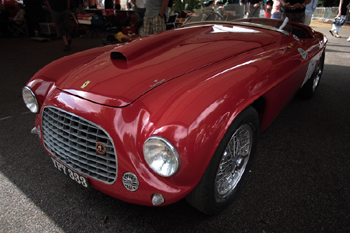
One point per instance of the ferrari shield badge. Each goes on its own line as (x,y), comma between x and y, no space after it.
(85,84)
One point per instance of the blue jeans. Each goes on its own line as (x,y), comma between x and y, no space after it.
(276,16)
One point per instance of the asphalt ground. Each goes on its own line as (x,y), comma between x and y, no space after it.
(298,182)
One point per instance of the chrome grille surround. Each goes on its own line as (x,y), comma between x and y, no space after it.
(72,139)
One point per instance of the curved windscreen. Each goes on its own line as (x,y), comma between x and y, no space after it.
(238,14)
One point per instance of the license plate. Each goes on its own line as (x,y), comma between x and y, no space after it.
(71,173)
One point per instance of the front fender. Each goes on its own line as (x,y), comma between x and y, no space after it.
(44,80)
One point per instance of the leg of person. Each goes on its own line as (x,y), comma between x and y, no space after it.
(251,8)
(58,18)
(159,24)
(335,30)
(66,45)
(65,33)
(68,27)
(257,12)
(254,11)
(308,19)
(301,17)
(147,26)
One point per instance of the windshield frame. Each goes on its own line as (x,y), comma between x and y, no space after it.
(249,24)
(239,17)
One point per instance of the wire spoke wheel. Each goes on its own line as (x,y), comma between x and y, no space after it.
(316,80)
(234,160)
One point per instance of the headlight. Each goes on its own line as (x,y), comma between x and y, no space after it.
(161,156)
(30,100)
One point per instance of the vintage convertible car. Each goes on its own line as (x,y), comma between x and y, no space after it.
(177,114)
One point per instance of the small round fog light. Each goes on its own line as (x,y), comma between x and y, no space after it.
(130,181)
(157,199)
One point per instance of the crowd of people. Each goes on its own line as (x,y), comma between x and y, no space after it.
(153,19)
(344,5)
(151,13)
(295,10)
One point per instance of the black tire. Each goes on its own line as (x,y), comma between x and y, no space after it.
(213,194)
(310,87)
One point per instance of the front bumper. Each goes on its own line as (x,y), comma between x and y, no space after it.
(123,127)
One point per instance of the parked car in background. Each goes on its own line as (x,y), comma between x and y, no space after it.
(177,114)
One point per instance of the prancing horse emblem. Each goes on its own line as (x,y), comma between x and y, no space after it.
(85,84)
(100,148)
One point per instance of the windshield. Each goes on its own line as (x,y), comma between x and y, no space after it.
(237,14)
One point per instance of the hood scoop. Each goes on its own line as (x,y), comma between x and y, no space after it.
(118,56)
(119,60)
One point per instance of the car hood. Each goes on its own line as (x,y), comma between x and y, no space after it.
(120,76)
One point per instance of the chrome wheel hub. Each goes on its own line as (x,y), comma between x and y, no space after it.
(234,160)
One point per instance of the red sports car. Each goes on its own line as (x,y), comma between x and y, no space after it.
(177,114)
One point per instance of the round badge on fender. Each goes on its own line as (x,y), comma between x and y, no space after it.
(100,148)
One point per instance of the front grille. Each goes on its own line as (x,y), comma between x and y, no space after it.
(72,139)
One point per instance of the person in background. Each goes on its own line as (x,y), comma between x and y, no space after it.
(140,10)
(4,20)
(268,8)
(343,5)
(73,5)
(309,10)
(61,16)
(35,15)
(294,10)
(129,5)
(92,4)
(253,7)
(154,20)
(76,6)
(276,10)
(80,9)
(108,4)
(117,5)
(19,17)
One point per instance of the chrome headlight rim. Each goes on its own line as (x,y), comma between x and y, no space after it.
(30,99)
(171,148)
